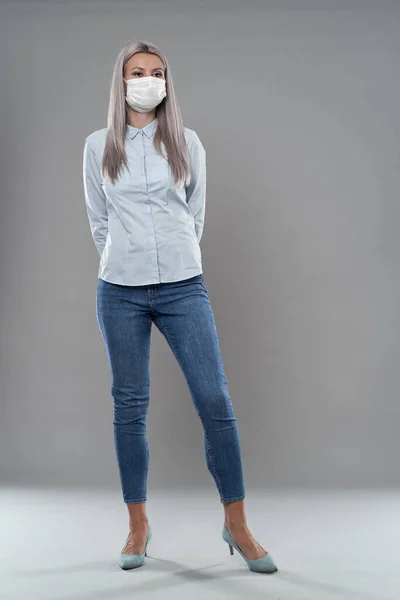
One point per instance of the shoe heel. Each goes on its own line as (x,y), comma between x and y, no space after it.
(231,549)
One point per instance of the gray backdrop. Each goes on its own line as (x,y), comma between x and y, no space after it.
(297,105)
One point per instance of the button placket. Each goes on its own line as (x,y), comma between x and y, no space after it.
(151,208)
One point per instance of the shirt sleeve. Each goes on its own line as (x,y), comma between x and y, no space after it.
(95,198)
(196,190)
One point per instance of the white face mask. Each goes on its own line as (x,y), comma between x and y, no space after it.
(145,93)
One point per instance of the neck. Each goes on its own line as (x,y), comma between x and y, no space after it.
(140,120)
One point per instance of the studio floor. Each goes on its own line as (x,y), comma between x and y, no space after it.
(63,544)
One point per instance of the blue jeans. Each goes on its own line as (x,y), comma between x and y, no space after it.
(182,312)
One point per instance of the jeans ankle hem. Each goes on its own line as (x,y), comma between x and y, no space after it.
(135,501)
(236,499)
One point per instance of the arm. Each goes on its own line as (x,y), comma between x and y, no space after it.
(196,191)
(95,198)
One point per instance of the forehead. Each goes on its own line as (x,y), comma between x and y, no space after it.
(145,60)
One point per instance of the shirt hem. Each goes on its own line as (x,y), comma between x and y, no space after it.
(127,282)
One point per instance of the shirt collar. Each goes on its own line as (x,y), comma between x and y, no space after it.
(148,130)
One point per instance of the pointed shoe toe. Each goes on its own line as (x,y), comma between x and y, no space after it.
(265,564)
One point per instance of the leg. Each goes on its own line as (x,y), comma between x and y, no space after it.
(185,318)
(125,324)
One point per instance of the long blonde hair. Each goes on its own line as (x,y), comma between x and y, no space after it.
(170,129)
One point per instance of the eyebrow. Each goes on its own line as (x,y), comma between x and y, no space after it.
(156,69)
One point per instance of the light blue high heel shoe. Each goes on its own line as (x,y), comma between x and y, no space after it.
(265,564)
(131,561)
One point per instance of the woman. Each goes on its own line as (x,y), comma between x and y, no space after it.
(144,182)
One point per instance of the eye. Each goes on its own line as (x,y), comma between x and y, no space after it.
(159,74)
(136,73)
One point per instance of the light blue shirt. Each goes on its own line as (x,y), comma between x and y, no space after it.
(145,230)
